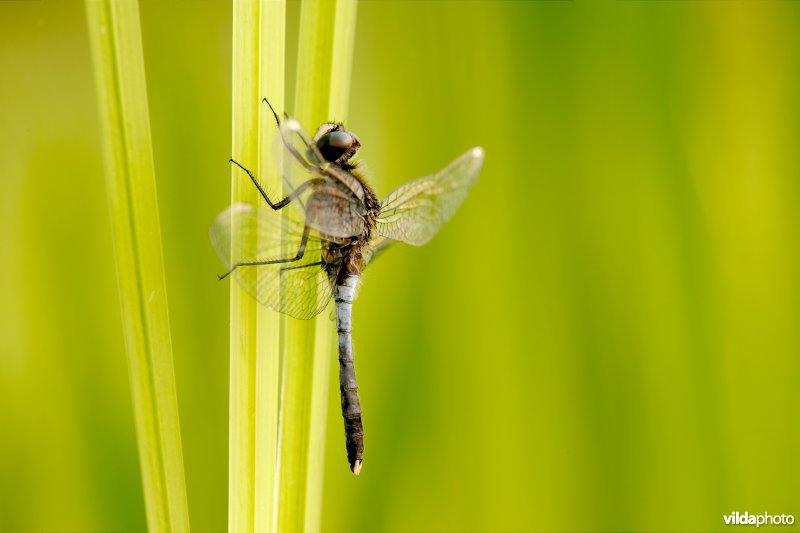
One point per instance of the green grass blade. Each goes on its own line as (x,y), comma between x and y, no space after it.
(320,93)
(245,148)
(325,350)
(119,72)
(272,64)
(258,70)
(342,60)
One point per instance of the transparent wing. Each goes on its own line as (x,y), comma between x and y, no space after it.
(300,288)
(377,245)
(414,212)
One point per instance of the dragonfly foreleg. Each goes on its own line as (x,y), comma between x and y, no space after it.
(274,113)
(297,257)
(283,203)
(289,146)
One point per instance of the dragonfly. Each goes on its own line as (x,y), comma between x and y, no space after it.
(297,263)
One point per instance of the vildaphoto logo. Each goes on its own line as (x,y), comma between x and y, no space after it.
(746,519)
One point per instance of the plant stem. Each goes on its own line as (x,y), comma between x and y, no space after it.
(245,148)
(272,64)
(130,181)
(322,87)
(325,349)
(258,70)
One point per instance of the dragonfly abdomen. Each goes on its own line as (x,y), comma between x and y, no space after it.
(344,294)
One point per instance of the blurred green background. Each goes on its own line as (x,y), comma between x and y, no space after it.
(605,337)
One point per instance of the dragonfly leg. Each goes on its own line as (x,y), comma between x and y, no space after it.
(318,263)
(302,160)
(283,203)
(274,113)
(297,257)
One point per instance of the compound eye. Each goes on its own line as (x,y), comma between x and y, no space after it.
(340,140)
(335,144)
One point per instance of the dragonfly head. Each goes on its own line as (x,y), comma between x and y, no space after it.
(336,144)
